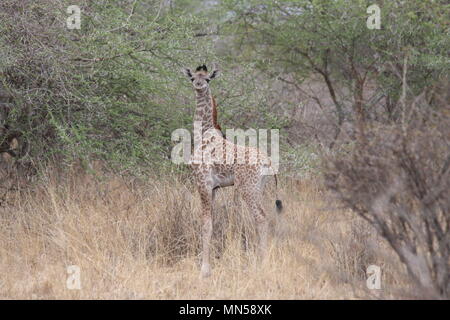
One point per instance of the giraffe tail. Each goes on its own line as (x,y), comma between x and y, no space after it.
(278,203)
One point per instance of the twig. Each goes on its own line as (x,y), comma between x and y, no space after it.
(403,99)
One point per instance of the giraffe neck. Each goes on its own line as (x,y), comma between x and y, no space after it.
(204,111)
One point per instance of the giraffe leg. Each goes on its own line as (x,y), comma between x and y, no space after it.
(207,198)
(253,199)
(262,227)
(236,212)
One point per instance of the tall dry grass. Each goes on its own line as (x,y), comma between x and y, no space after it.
(141,240)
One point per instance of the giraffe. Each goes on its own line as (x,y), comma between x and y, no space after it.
(233,164)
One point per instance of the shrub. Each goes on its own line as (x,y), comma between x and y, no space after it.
(400,182)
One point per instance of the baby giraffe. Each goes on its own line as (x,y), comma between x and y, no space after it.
(218,163)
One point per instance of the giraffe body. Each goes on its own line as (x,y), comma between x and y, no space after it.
(219,163)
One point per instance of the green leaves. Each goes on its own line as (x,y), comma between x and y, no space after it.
(111,90)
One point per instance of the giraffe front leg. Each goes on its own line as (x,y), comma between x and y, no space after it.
(207,203)
(206,239)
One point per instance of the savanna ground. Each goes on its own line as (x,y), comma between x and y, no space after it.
(368,105)
(141,240)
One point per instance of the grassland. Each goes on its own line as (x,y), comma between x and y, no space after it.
(141,240)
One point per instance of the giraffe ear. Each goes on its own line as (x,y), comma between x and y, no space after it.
(188,73)
(214,74)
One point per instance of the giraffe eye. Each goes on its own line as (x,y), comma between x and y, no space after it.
(192,79)
(207,80)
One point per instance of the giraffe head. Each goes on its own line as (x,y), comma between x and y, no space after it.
(200,78)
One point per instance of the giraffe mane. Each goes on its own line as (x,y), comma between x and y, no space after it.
(214,112)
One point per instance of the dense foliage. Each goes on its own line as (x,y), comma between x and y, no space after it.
(111,90)
(297,42)
(373,103)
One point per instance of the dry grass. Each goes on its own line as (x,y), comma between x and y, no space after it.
(141,241)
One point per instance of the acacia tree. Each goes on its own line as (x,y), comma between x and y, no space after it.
(109,90)
(400,183)
(112,89)
(395,171)
(329,40)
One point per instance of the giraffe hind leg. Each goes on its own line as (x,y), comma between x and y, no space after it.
(253,198)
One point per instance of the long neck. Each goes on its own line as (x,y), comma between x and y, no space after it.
(204,111)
